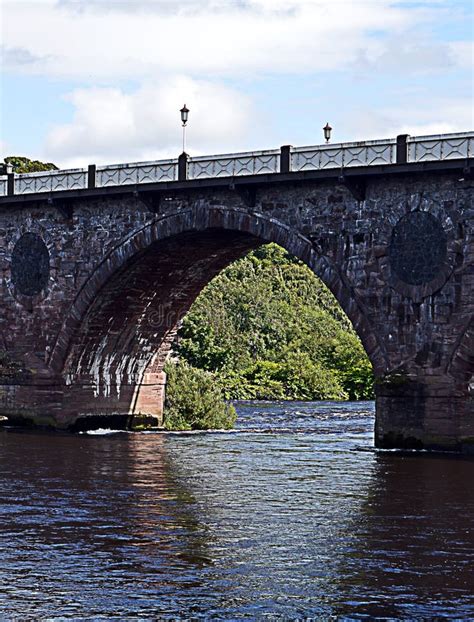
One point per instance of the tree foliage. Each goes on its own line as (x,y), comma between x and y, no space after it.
(194,401)
(21,164)
(268,328)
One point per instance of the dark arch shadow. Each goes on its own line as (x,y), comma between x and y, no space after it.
(123,321)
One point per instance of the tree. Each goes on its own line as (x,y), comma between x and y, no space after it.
(21,164)
(268,328)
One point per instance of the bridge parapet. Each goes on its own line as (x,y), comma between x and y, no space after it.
(235,164)
(343,155)
(401,150)
(440,147)
(50,181)
(136,173)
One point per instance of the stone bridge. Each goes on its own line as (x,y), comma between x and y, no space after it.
(99,265)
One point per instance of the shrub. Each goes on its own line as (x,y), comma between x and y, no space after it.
(259,381)
(296,378)
(194,400)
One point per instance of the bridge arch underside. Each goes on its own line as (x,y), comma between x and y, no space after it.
(115,342)
(114,364)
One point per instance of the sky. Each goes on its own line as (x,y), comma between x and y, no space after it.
(102,81)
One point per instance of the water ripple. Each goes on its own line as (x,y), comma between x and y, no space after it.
(293,515)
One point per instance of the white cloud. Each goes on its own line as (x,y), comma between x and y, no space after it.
(4,149)
(416,117)
(216,38)
(110,125)
(16,58)
(164,7)
(128,56)
(415,57)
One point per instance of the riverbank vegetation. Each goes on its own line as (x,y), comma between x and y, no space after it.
(194,400)
(266,328)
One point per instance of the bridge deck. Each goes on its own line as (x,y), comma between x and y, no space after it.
(345,160)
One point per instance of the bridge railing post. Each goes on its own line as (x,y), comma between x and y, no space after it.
(285,159)
(183,167)
(91,171)
(10,184)
(401,156)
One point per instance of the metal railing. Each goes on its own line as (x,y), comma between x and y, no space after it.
(400,150)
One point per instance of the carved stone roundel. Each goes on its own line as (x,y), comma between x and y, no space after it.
(30,265)
(418,248)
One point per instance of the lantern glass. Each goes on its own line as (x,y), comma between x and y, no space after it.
(327,132)
(184,114)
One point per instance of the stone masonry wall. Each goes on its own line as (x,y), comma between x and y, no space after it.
(400,262)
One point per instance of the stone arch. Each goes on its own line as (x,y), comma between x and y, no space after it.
(218,236)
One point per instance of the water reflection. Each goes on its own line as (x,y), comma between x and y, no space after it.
(414,540)
(291,516)
(85,518)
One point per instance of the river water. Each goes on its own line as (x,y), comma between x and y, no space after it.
(293,515)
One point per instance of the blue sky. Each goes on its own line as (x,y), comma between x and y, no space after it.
(103,81)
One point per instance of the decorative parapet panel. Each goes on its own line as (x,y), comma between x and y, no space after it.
(3,187)
(50,181)
(440,147)
(136,173)
(232,165)
(343,155)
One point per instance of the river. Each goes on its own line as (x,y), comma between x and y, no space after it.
(292,515)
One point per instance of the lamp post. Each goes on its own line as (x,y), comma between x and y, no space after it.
(327,129)
(184,119)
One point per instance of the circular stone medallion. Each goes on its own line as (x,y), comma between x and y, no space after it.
(30,265)
(418,248)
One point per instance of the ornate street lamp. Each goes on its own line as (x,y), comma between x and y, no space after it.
(184,119)
(327,129)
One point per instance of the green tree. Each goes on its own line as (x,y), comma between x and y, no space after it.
(21,164)
(269,329)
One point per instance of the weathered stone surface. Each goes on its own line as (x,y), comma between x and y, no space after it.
(92,336)
(30,264)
